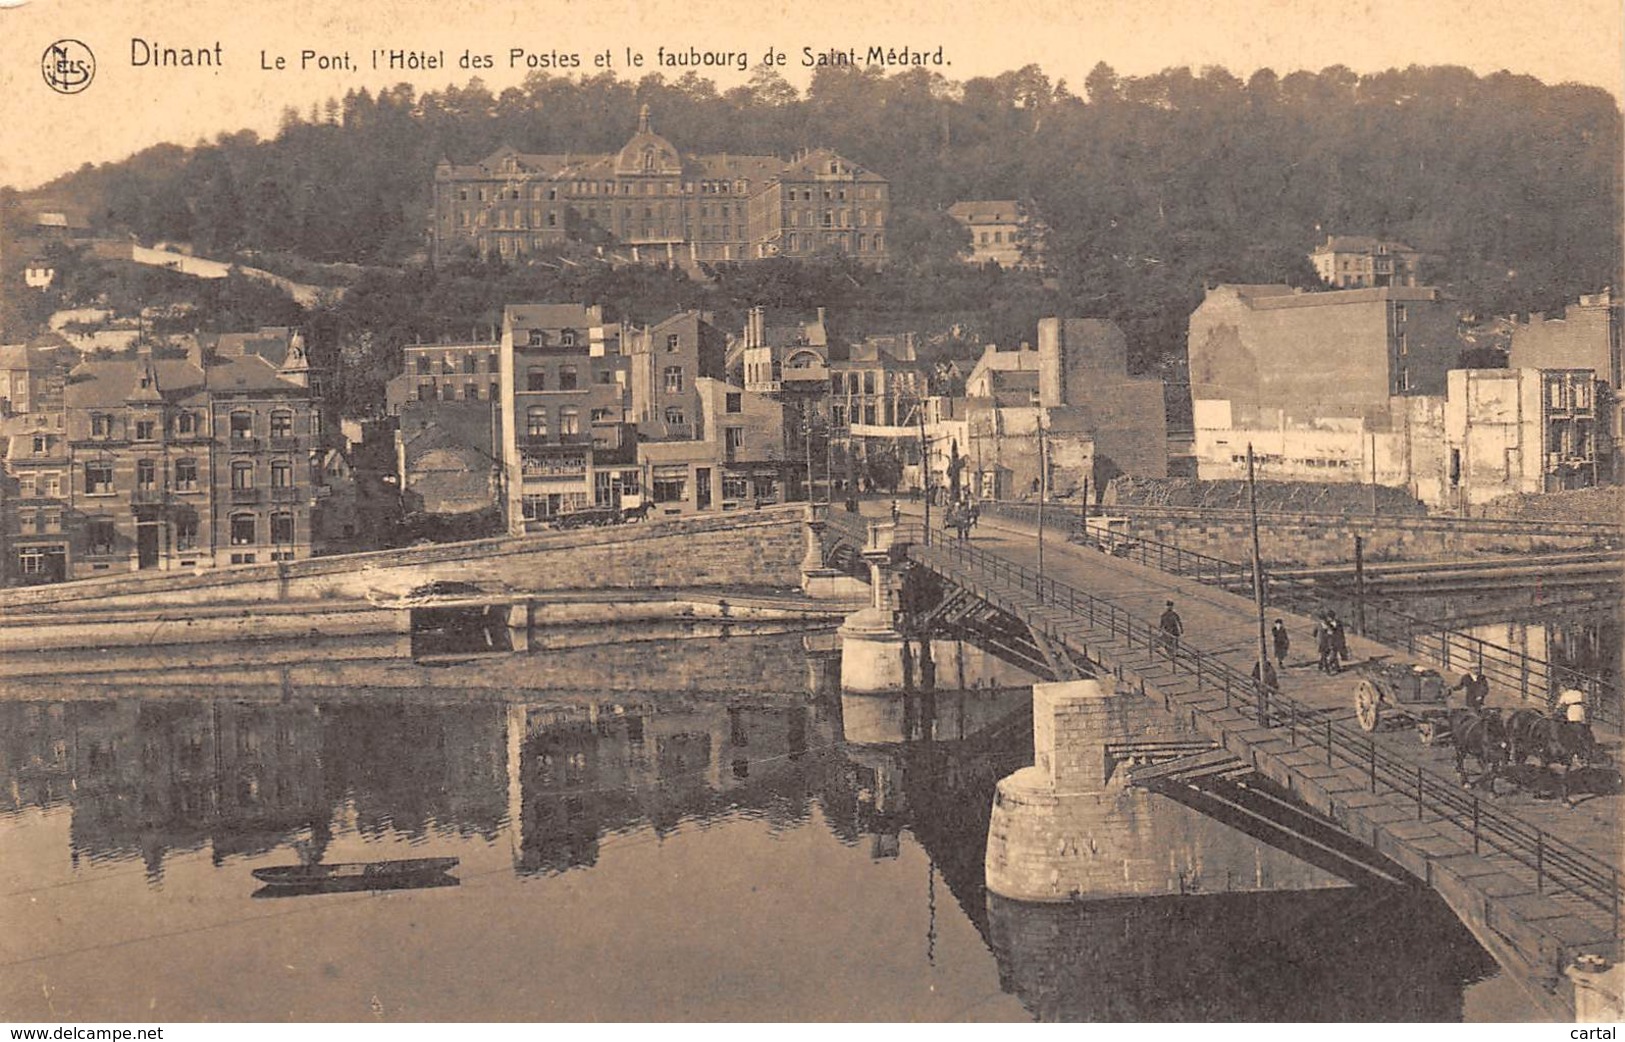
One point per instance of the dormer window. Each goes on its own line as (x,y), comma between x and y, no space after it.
(538,338)
(567,338)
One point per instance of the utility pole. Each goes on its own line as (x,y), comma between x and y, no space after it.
(925,471)
(806,429)
(1359,585)
(1043,489)
(1258,568)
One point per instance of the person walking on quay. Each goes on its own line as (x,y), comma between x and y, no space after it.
(1326,643)
(896,512)
(1281,641)
(1340,642)
(1474,686)
(1172,629)
(1271,679)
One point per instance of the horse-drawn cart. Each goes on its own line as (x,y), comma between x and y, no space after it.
(1391,692)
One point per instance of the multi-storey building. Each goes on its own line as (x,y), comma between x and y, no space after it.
(880,384)
(464,372)
(1273,352)
(563,378)
(170,463)
(657,204)
(1001,231)
(1360,261)
(667,361)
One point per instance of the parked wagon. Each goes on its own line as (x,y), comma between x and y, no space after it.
(1398,693)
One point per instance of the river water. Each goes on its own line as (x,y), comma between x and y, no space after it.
(705,850)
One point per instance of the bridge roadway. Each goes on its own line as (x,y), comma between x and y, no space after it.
(1536,881)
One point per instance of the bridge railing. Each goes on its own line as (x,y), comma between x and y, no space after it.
(1506,668)
(1557,866)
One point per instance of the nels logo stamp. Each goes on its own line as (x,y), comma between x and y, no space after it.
(68,66)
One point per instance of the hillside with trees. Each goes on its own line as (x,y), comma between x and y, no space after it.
(1150,187)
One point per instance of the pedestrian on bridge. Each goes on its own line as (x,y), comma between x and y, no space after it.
(1281,640)
(1172,629)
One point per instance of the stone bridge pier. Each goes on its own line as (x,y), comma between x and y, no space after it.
(1070,827)
(872,648)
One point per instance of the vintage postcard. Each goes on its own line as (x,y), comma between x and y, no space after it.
(716,512)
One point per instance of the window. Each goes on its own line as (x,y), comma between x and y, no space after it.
(146,430)
(101,425)
(282,424)
(281,474)
(675,416)
(568,338)
(536,379)
(536,422)
(734,488)
(733,401)
(670,484)
(569,421)
(470,364)
(98,479)
(186,531)
(281,528)
(837,415)
(1582,396)
(100,537)
(673,379)
(427,391)
(242,426)
(186,475)
(733,438)
(567,377)
(425,365)
(537,338)
(242,530)
(672,341)
(146,474)
(868,381)
(42,444)
(186,423)
(471,391)
(242,474)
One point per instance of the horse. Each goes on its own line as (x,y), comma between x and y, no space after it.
(1532,733)
(1483,734)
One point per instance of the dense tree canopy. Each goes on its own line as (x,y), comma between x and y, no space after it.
(1149,186)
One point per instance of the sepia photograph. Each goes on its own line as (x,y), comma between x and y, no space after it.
(558,512)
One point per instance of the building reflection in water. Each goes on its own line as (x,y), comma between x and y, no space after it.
(559,780)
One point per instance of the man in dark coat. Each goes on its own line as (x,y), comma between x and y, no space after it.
(1172,629)
(1281,640)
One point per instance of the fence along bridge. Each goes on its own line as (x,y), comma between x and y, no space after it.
(1537,882)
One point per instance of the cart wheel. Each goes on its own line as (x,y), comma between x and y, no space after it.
(1368,705)
(1428,731)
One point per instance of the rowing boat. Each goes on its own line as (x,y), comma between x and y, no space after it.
(384,873)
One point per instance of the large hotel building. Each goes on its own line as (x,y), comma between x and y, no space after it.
(654,204)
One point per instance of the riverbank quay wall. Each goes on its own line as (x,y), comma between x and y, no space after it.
(1307,540)
(761,550)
